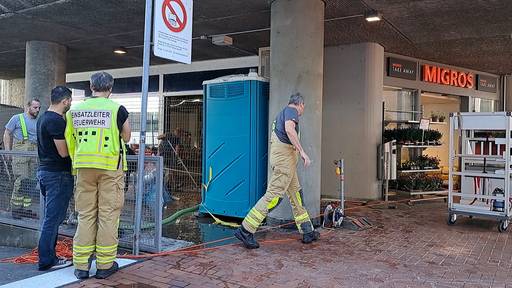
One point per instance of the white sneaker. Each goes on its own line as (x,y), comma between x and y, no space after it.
(61,263)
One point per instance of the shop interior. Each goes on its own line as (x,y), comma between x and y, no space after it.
(422,154)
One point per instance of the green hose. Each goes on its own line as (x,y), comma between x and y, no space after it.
(180,213)
(165,221)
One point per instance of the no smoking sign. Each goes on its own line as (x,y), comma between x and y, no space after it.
(174,15)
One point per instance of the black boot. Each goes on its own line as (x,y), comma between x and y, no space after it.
(309,237)
(81,274)
(84,274)
(247,238)
(104,273)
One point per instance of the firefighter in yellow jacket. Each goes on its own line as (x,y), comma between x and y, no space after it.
(96,131)
(285,149)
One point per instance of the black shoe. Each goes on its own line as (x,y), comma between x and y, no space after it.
(84,274)
(247,238)
(81,274)
(104,273)
(310,237)
(59,263)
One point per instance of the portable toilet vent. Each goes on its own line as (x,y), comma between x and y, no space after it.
(235,137)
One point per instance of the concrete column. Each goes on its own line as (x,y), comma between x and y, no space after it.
(45,68)
(352,119)
(296,65)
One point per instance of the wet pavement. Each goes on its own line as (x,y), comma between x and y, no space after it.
(10,272)
(411,246)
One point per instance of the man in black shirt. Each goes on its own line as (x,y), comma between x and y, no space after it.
(54,175)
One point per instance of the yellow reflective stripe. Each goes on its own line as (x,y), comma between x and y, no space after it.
(104,247)
(105,260)
(84,247)
(106,250)
(257,214)
(302,217)
(299,198)
(273,203)
(77,163)
(210,175)
(24,131)
(82,251)
(252,221)
(80,261)
(77,256)
(98,156)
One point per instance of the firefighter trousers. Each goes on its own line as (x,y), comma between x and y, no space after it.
(24,170)
(99,198)
(284,180)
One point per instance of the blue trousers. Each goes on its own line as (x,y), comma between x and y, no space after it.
(57,189)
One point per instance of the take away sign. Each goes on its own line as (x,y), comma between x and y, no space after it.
(172,35)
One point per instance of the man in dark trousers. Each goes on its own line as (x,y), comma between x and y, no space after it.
(54,175)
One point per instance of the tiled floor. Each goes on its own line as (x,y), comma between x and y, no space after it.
(411,246)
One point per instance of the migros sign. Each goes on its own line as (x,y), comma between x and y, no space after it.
(446,76)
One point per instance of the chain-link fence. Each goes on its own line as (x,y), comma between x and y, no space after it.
(22,205)
(181,144)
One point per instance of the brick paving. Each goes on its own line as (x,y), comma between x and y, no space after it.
(408,247)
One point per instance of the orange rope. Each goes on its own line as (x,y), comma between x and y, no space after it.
(64,248)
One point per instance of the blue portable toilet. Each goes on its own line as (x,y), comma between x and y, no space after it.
(235,137)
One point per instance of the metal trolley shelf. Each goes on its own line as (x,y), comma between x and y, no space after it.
(480,160)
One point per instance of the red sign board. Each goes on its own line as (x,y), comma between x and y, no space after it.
(448,76)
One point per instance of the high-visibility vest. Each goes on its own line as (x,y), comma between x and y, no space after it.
(24,131)
(92,135)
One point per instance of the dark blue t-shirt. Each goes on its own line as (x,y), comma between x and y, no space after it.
(288,113)
(51,126)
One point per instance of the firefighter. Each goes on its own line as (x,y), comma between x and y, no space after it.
(285,148)
(96,132)
(21,135)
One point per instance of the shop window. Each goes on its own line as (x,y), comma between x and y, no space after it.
(400,104)
(484,105)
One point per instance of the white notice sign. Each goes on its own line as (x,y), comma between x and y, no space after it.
(172,35)
(91,119)
(424,124)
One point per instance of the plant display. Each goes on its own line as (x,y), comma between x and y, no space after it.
(419,181)
(437,116)
(423,162)
(412,136)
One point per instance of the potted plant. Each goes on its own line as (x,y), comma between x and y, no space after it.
(441,117)
(433,116)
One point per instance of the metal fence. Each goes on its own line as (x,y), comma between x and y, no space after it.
(22,205)
(181,147)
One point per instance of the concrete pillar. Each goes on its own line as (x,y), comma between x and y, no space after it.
(45,68)
(352,118)
(296,65)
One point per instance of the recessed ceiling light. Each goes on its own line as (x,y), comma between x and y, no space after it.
(120,50)
(372,16)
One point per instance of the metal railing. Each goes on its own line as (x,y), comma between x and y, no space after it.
(23,183)
(181,148)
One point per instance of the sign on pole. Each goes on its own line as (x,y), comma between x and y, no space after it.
(172,35)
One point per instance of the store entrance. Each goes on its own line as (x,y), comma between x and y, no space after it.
(421,150)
